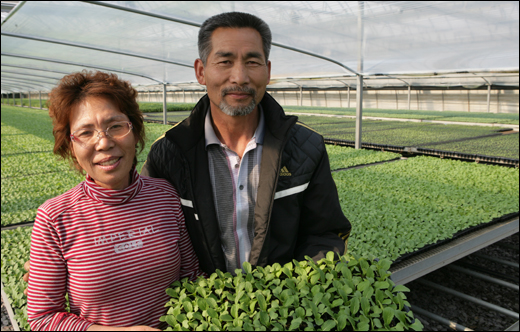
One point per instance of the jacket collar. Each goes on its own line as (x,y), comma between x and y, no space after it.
(188,133)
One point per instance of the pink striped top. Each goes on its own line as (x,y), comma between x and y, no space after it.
(113,251)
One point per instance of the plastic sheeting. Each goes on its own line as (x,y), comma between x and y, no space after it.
(44,40)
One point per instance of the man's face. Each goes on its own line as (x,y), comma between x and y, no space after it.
(236,73)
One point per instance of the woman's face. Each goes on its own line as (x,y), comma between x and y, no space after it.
(109,160)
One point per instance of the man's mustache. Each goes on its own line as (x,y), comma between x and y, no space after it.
(245,89)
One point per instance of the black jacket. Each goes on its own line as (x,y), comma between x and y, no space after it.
(297,211)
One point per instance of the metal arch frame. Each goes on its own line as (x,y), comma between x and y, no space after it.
(24,87)
(14,10)
(37,69)
(60,42)
(26,74)
(409,88)
(196,24)
(488,92)
(18,79)
(348,92)
(78,65)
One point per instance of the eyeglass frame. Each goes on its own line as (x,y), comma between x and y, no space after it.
(84,145)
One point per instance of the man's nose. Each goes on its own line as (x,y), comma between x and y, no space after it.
(239,74)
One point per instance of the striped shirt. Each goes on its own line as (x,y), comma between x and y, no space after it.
(236,178)
(113,251)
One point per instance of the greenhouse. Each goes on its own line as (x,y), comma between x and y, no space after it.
(417,102)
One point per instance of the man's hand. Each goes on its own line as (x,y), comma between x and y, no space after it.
(26,266)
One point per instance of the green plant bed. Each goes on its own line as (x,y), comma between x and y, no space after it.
(398,208)
(35,102)
(479,117)
(343,157)
(25,164)
(172,116)
(352,293)
(150,107)
(21,196)
(506,146)
(15,252)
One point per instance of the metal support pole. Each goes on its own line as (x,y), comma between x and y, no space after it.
(469,298)
(359,88)
(359,110)
(469,103)
(348,97)
(164,103)
(439,319)
(21,100)
(41,107)
(301,95)
(184,96)
(488,97)
(30,104)
(409,96)
(442,95)
(513,327)
(483,277)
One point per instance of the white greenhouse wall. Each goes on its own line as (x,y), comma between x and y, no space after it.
(501,101)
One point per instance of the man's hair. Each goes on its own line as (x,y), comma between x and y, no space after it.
(75,88)
(232,20)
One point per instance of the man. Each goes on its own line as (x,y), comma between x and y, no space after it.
(255,185)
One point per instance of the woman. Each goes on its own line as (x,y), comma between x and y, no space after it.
(117,240)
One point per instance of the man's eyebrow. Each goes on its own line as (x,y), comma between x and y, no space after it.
(254,55)
(223,54)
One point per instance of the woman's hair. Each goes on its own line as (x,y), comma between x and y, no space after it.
(74,89)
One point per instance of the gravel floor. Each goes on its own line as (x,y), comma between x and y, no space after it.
(460,311)
(6,324)
(465,313)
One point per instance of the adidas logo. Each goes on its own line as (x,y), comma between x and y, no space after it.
(285,172)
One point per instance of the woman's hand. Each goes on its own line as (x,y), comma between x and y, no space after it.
(26,266)
(118,328)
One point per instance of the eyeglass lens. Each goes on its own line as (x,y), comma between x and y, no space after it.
(91,136)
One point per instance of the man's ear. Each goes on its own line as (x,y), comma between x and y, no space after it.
(199,71)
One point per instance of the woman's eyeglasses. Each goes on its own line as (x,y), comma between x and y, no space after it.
(87,137)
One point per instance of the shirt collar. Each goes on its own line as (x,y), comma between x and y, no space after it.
(110,196)
(211,137)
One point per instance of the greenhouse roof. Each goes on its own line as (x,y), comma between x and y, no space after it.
(315,44)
